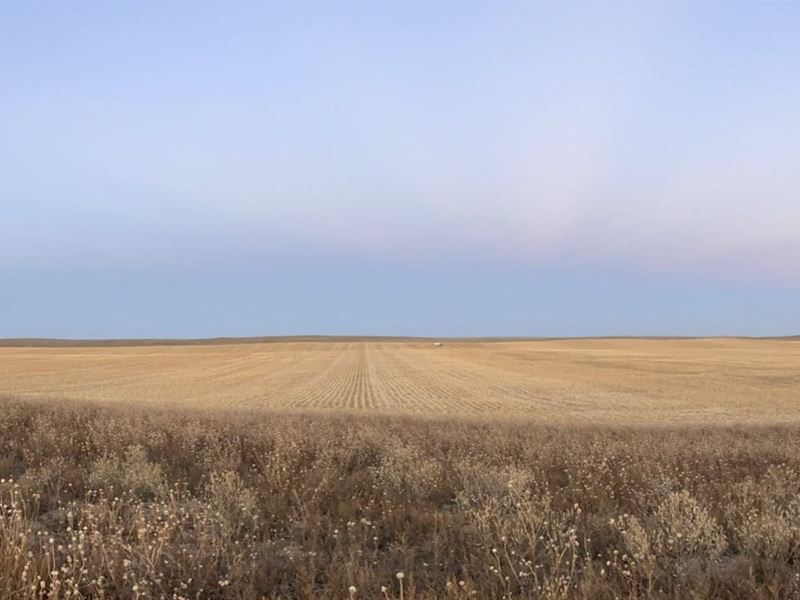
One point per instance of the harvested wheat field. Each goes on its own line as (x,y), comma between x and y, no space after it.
(584,380)
(400,470)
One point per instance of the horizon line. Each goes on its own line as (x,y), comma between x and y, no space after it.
(45,342)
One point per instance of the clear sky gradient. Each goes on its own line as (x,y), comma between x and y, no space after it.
(191,170)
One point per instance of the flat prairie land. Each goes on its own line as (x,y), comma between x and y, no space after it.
(347,468)
(619,381)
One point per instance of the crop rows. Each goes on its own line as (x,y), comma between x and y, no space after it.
(572,380)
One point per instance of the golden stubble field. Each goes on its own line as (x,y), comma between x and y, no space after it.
(593,469)
(636,381)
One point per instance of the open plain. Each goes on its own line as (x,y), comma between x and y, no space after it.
(625,380)
(355,468)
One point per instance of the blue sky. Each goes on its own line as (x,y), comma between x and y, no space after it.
(446,169)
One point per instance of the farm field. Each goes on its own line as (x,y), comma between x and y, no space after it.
(582,380)
(395,469)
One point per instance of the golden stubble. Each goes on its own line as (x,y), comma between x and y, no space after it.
(635,381)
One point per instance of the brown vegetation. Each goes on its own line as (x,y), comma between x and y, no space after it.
(113,502)
(627,468)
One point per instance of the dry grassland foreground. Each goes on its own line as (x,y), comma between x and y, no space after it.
(357,469)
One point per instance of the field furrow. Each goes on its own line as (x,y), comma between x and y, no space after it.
(636,380)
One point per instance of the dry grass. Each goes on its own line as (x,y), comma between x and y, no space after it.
(102,502)
(121,490)
(615,381)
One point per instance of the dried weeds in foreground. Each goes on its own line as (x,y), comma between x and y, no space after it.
(103,502)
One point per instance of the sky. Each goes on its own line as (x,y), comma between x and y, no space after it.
(501,169)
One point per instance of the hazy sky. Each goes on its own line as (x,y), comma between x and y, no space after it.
(448,169)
